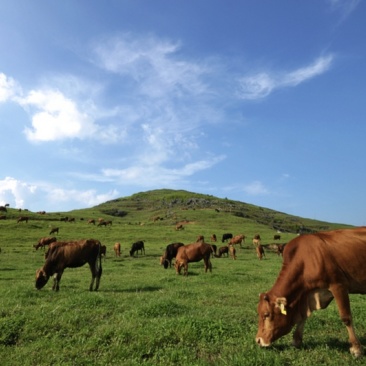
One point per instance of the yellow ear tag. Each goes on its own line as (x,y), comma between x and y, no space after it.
(283,310)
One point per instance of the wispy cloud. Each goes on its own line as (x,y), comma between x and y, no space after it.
(260,85)
(255,188)
(344,7)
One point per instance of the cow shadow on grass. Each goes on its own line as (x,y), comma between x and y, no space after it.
(134,289)
(331,344)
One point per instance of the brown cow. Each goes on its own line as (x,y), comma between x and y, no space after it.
(237,239)
(73,254)
(179,227)
(200,238)
(257,240)
(214,238)
(193,253)
(2,217)
(260,251)
(279,249)
(316,268)
(117,249)
(53,231)
(44,241)
(232,251)
(23,218)
(169,254)
(223,250)
(91,221)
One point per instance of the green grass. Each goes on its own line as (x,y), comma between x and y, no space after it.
(144,314)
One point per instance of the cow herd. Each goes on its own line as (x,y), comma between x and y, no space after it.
(316,269)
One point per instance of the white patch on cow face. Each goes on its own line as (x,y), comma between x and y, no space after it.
(273,320)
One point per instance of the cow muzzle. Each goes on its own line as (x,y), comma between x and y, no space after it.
(261,342)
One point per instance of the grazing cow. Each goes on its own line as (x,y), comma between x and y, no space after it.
(64,219)
(256,240)
(2,217)
(23,218)
(71,219)
(108,222)
(279,249)
(226,237)
(73,254)
(53,231)
(3,209)
(200,238)
(91,221)
(276,237)
(213,238)
(138,246)
(169,253)
(232,251)
(102,223)
(117,249)
(44,241)
(316,268)
(260,251)
(193,253)
(179,227)
(237,239)
(223,250)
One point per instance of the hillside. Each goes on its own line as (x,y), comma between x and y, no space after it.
(178,205)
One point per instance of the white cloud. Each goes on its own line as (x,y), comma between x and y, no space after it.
(14,192)
(56,117)
(262,84)
(256,188)
(32,196)
(9,88)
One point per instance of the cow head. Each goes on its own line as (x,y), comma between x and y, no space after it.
(41,278)
(275,320)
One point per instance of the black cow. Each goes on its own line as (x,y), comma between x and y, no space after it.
(169,254)
(226,237)
(139,245)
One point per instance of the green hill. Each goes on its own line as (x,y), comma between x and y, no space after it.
(178,205)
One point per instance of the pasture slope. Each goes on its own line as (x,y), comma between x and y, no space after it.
(144,314)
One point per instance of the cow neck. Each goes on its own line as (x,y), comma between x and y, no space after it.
(49,268)
(289,283)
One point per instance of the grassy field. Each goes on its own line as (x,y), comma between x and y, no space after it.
(144,314)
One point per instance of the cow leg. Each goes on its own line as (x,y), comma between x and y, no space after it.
(186,268)
(56,281)
(299,331)
(344,308)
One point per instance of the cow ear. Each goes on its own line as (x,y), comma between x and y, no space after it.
(281,303)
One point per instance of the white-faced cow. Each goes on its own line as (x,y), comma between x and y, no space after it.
(193,253)
(72,254)
(316,268)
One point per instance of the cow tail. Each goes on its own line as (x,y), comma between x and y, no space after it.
(100,259)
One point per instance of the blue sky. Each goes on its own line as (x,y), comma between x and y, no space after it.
(257,101)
